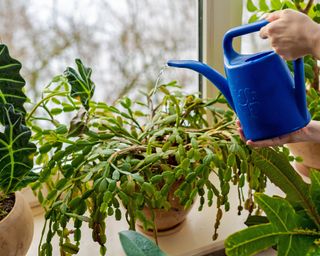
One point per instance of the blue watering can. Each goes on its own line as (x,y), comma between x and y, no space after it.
(259,87)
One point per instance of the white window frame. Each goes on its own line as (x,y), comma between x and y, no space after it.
(218,17)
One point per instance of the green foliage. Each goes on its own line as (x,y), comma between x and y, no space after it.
(294,221)
(11,82)
(117,160)
(135,244)
(16,151)
(313,100)
(81,83)
(251,7)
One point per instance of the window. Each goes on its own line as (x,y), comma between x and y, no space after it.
(126,42)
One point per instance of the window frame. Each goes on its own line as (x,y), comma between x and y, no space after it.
(215,17)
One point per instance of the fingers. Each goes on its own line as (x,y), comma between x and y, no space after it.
(278,141)
(273,16)
(240,131)
(264,32)
(238,123)
(267,30)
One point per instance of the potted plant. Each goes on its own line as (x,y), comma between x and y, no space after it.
(125,160)
(292,223)
(16,160)
(308,151)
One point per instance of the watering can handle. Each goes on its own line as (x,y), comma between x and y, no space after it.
(229,52)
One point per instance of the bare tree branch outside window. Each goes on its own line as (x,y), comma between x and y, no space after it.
(126,42)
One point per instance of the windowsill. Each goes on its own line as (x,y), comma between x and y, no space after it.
(194,238)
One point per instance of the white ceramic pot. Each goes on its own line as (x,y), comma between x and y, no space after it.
(16,229)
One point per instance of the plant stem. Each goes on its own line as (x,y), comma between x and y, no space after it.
(42,235)
(125,151)
(43,100)
(308,7)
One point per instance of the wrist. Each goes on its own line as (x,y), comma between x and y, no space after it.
(315,41)
(312,132)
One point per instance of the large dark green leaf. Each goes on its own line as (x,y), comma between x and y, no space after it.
(11,82)
(16,152)
(135,244)
(279,170)
(284,220)
(284,230)
(82,86)
(251,240)
(279,212)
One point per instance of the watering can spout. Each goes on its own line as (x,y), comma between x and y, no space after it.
(213,76)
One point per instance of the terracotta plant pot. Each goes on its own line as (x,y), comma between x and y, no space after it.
(16,229)
(309,152)
(167,221)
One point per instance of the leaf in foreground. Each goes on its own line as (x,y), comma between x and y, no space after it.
(16,152)
(11,82)
(279,170)
(284,230)
(135,244)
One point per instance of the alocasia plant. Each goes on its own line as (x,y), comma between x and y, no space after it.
(294,221)
(16,151)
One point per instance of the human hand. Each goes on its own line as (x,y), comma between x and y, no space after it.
(311,132)
(292,34)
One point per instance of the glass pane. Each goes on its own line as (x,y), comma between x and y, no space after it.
(126,42)
(252,43)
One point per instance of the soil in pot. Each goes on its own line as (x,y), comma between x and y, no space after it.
(6,205)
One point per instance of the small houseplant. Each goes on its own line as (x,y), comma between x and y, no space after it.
(16,160)
(307,150)
(120,160)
